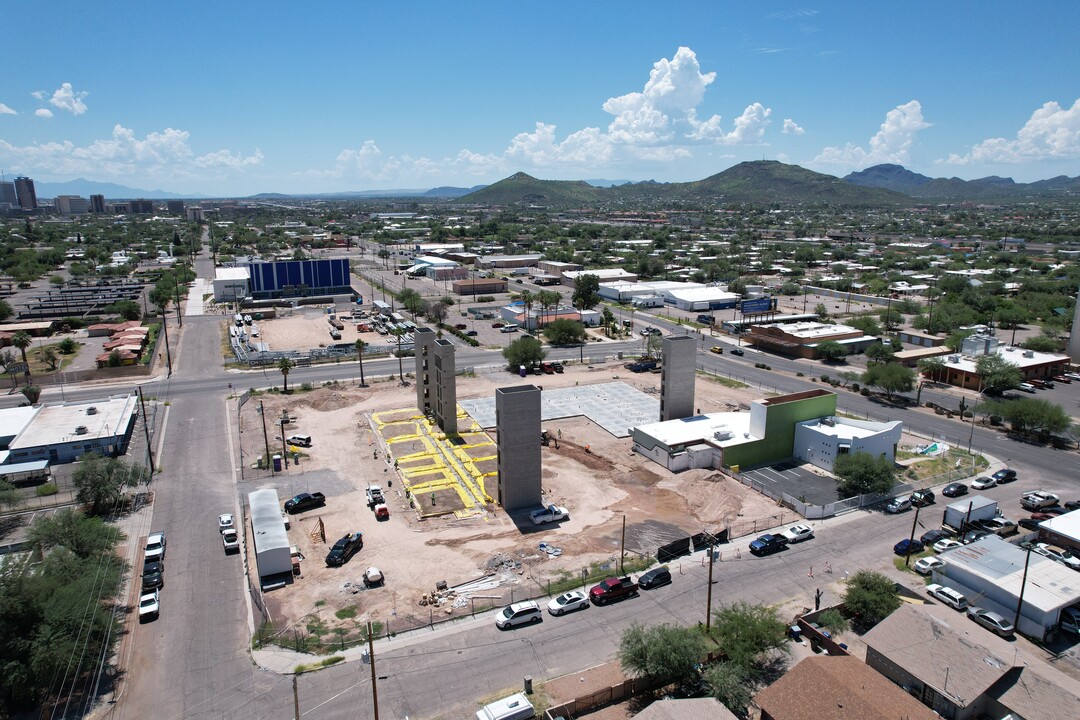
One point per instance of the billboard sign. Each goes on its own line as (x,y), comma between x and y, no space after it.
(757,305)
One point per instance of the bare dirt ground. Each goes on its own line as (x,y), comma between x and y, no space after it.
(307,327)
(598,487)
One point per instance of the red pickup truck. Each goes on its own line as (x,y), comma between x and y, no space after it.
(613,589)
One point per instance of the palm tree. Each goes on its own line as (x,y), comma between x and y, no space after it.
(527,301)
(285,365)
(22,340)
(360,345)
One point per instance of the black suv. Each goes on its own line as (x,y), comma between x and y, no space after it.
(922,498)
(153,575)
(344,549)
(654,578)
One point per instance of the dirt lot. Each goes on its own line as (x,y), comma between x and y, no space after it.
(598,487)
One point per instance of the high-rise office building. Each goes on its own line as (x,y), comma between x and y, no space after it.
(175,207)
(141,207)
(71,205)
(7,194)
(97,203)
(24,189)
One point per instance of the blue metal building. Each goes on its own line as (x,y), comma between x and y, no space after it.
(300,278)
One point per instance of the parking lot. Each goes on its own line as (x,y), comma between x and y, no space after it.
(796,480)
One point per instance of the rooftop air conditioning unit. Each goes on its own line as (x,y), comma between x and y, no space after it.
(954,358)
(81,430)
(1029,354)
(91,410)
(830,422)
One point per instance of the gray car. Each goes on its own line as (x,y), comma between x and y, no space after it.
(990,620)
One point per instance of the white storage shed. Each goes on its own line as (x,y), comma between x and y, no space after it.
(272,553)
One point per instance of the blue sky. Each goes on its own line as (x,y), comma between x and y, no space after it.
(237,98)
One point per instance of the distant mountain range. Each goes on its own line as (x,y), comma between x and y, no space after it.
(111,191)
(760,182)
(900,179)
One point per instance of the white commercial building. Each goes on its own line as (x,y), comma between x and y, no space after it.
(62,432)
(819,442)
(272,553)
(1063,530)
(604,275)
(991,573)
(231,284)
(700,298)
(623,291)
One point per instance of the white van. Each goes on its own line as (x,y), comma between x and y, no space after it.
(515,707)
(512,327)
(948,596)
(299,440)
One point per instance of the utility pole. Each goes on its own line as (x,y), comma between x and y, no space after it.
(708,597)
(1023,582)
(266,438)
(371,657)
(622,545)
(911,538)
(179,317)
(284,451)
(165,330)
(295,699)
(146,429)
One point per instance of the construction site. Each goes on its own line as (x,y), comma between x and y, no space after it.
(448,548)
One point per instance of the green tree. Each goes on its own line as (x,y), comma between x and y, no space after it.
(996,374)
(411,300)
(822,312)
(284,366)
(866,323)
(525,351)
(831,351)
(890,318)
(870,597)
(747,632)
(32,393)
(933,368)
(730,684)
(437,311)
(879,353)
(5,310)
(1042,343)
(586,292)
(1031,415)
(22,340)
(861,473)
(127,309)
(68,346)
(666,653)
(565,332)
(86,537)
(891,378)
(48,356)
(99,482)
(9,495)
(115,359)
(833,621)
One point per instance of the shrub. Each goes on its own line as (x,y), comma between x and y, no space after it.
(865,392)
(47,489)
(824,378)
(486,298)
(854,387)
(799,374)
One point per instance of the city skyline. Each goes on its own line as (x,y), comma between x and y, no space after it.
(418,96)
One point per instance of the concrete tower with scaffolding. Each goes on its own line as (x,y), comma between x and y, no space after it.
(517,426)
(677,376)
(436,379)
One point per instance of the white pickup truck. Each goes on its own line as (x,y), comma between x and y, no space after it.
(374,495)
(549,514)
(1038,499)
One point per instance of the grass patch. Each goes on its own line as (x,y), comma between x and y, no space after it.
(725,381)
(346,613)
(47,489)
(572,581)
(898,563)
(325,662)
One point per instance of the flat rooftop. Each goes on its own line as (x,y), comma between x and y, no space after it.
(232,273)
(614,406)
(733,428)
(57,424)
(1017,356)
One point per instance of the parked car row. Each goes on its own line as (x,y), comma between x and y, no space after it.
(606,591)
(153,576)
(230,537)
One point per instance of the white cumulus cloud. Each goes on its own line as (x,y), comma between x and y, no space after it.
(5,110)
(66,98)
(156,156)
(1052,132)
(43,112)
(891,144)
(792,128)
(659,124)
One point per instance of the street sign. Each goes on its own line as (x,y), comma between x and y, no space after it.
(17,367)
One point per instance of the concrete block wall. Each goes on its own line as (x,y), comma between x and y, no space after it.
(517,423)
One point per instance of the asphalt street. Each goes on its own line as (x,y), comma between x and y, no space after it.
(195,661)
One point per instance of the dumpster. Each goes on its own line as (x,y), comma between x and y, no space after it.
(795,633)
(277,463)
(523,371)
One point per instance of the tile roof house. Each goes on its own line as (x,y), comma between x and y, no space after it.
(837,688)
(961,670)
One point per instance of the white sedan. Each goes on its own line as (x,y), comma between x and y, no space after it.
(945,545)
(568,602)
(225,522)
(231,540)
(984,483)
(148,605)
(798,533)
(926,565)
